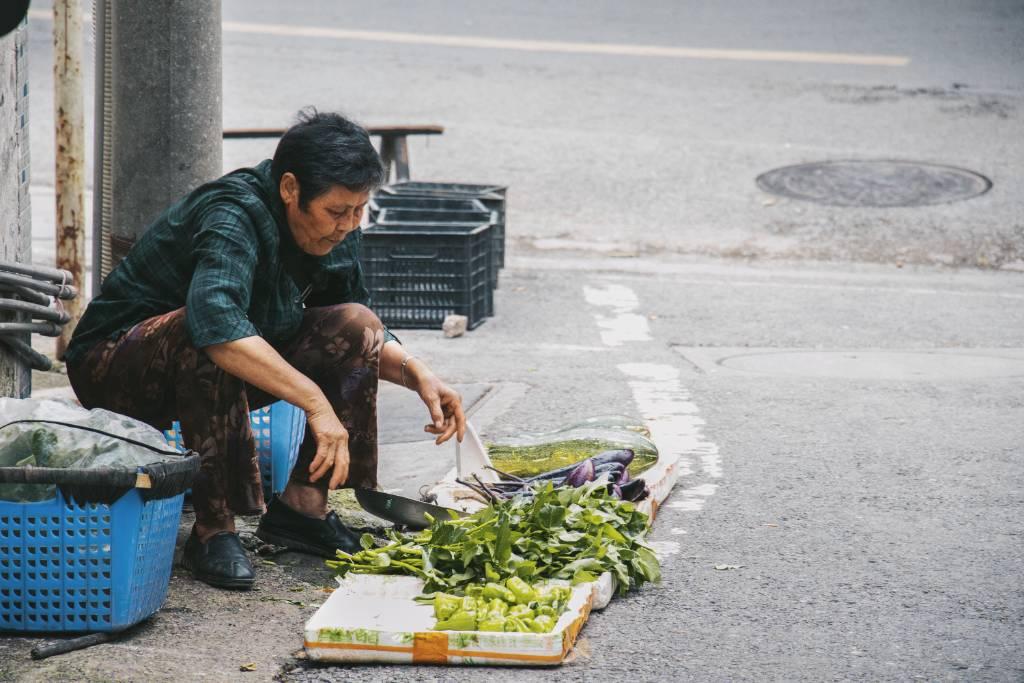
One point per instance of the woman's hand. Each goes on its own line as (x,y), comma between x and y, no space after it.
(445,406)
(331,445)
(443,402)
(255,361)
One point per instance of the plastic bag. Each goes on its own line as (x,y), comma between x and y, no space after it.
(45,444)
(535,453)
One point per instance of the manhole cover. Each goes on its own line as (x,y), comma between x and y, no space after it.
(874,183)
(895,365)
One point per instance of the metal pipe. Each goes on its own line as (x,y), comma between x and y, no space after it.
(59,291)
(47,329)
(36,311)
(70,146)
(25,351)
(37,272)
(25,294)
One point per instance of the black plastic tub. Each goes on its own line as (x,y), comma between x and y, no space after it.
(418,274)
(398,201)
(430,217)
(473,191)
(403,216)
(493,197)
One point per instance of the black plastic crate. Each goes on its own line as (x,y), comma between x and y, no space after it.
(475,191)
(419,274)
(431,217)
(404,216)
(398,201)
(491,196)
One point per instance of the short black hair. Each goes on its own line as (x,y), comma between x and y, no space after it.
(325,149)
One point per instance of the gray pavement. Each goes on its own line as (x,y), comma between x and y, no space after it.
(871,502)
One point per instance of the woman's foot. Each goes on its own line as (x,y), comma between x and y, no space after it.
(220,561)
(305,499)
(322,535)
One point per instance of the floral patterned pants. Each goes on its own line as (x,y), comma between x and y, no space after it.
(153,373)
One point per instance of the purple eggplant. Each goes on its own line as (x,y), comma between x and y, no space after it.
(634,490)
(583,473)
(623,477)
(624,457)
(612,469)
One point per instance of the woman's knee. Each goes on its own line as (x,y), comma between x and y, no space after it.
(361,317)
(357,325)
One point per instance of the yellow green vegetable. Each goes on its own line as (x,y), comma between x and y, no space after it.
(446,605)
(522,591)
(460,621)
(494,590)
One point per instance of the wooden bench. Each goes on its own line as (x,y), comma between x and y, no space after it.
(394,146)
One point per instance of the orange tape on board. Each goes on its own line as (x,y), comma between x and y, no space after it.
(654,510)
(430,647)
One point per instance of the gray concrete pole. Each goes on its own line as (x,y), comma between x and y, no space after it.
(15,224)
(166,109)
(70,152)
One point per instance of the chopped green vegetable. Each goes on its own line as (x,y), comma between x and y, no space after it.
(520,611)
(535,610)
(494,590)
(543,623)
(460,621)
(492,623)
(523,592)
(446,605)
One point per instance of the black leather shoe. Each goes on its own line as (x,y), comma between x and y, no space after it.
(283,526)
(220,562)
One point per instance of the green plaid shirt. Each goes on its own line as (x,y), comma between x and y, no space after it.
(226,254)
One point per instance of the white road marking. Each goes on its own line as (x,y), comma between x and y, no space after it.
(664,549)
(615,49)
(558,46)
(674,422)
(624,324)
(661,399)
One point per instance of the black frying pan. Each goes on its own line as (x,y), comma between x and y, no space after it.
(401,510)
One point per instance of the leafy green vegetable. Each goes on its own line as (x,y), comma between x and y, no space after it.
(558,533)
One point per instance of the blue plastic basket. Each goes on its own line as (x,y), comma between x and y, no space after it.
(278,430)
(91,567)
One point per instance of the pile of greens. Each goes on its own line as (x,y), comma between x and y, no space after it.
(557,533)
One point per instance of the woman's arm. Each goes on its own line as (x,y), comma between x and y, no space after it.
(253,360)
(443,402)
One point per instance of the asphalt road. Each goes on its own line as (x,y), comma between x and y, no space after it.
(872,503)
(651,153)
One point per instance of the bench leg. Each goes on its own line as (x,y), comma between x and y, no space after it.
(387,154)
(401,158)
